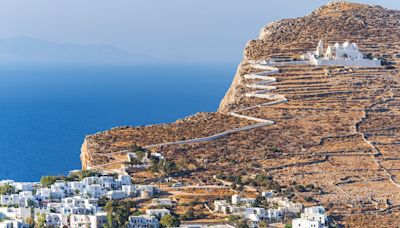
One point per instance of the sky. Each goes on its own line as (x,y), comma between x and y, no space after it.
(213,30)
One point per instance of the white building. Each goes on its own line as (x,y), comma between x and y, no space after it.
(165,202)
(43,195)
(13,223)
(221,206)
(146,191)
(94,190)
(285,204)
(143,221)
(158,213)
(15,213)
(9,200)
(125,179)
(116,194)
(268,194)
(92,221)
(23,186)
(130,190)
(25,197)
(236,200)
(313,217)
(346,54)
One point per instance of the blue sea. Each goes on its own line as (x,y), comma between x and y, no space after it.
(47,109)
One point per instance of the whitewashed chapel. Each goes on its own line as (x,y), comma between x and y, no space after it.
(346,54)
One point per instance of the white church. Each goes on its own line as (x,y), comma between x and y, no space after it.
(346,54)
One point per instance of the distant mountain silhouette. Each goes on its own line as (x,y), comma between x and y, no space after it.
(24,48)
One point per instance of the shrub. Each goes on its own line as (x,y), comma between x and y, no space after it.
(7,190)
(300,188)
(189,215)
(170,221)
(308,198)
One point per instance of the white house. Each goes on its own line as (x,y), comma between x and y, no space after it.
(8,200)
(125,179)
(94,190)
(23,186)
(107,182)
(158,213)
(285,205)
(76,186)
(162,202)
(13,223)
(221,206)
(143,221)
(313,217)
(15,213)
(116,194)
(253,220)
(130,190)
(54,220)
(25,197)
(146,190)
(236,200)
(268,194)
(79,205)
(43,194)
(92,221)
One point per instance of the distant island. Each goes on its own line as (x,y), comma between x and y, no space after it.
(28,49)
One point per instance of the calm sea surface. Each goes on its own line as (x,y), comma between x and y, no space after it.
(45,111)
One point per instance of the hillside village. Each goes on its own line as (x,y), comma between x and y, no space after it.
(91,199)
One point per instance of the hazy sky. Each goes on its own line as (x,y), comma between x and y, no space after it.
(197,29)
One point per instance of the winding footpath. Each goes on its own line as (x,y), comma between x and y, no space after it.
(263,90)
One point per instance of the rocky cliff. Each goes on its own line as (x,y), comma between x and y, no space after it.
(337,129)
(373,28)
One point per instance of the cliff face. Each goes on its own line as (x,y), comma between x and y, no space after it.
(373,28)
(338,129)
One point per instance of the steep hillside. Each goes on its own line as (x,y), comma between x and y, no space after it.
(373,28)
(333,127)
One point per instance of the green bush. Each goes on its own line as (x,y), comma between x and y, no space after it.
(300,188)
(7,190)
(170,221)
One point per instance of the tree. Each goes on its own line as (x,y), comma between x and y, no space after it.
(47,181)
(41,221)
(263,224)
(7,190)
(30,221)
(189,215)
(170,221)
(31,203)
(110,214)
(300,188)
(118,213)
(168,167)
(242,224)
(121,215)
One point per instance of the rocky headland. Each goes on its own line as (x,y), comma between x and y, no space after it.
(333,127)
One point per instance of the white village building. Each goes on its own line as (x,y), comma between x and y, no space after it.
(346,54)
(143,221)
(313,217)
(13,223)
(158,213)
